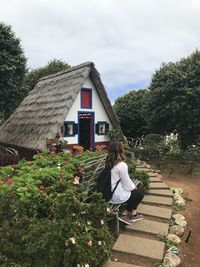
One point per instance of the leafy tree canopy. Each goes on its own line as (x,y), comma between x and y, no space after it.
(171,104)
(184,73)
(174,99)
(12,71)
(178,111)
(131,110)
(33,76)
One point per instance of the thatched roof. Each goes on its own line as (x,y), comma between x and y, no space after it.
(41,114)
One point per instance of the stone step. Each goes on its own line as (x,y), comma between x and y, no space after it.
(155,179)
(152,174)
(157,200)
(160,192)
(158,185)
(142,169)
(141,165)
(155,211)
(139,246)
(148,226)
(118,264)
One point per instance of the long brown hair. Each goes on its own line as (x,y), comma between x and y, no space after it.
(115,154)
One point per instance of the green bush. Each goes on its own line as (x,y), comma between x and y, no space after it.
(160,147)
(115,134)
(45,219)
(191,158)
(150,148)
(140,176)
(129,155)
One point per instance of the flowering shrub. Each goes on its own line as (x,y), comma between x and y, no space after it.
(156,146)
(45,219)
(172,143)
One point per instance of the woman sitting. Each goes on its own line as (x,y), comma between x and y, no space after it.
(125,191)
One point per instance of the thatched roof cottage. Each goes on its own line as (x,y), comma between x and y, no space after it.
(73,101)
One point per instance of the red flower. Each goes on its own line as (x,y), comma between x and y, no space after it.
(9,181)
(41,187)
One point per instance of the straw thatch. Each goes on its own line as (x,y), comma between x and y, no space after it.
(42,113)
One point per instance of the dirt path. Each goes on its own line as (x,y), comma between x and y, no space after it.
(189,252)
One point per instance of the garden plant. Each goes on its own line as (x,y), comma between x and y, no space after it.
(47,217)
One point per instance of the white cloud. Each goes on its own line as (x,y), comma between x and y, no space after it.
(126,39)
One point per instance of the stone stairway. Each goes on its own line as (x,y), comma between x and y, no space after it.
(139,241)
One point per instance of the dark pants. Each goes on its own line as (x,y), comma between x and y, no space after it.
(134,200)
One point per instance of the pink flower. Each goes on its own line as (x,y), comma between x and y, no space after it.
(9,181)
(90,243)
(41,187)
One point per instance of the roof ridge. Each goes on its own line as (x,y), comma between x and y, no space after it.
(82,65)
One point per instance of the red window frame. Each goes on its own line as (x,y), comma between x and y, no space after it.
(86,98)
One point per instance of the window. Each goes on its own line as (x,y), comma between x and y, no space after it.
(102,128)
(70,128)
(86,98)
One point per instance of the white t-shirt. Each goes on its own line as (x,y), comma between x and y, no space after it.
(125,186)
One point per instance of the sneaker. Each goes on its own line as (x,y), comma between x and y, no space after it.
(137,217)
(125,219)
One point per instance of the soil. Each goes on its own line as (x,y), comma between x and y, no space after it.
(189,252)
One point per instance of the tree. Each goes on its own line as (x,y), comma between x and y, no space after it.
(33,76)
(177,110)
(174,99)
(131,110)
(12,71)
(184,73)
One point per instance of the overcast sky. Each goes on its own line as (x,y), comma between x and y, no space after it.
(126,39)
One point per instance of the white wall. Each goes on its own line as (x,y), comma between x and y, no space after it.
(97,108)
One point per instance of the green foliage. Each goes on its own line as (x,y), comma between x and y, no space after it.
(115,134)
(167,149)
(143,178)
(174,99)
(139,176)
(175,109)
(151,147)
(33,76)
(129,155)
(191,158)
(171,222)
(164,238)
(156,146)
(12,71)
(184,73)
(171,104)
(177,208)
(45,219)
(153,140)
(131,110)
